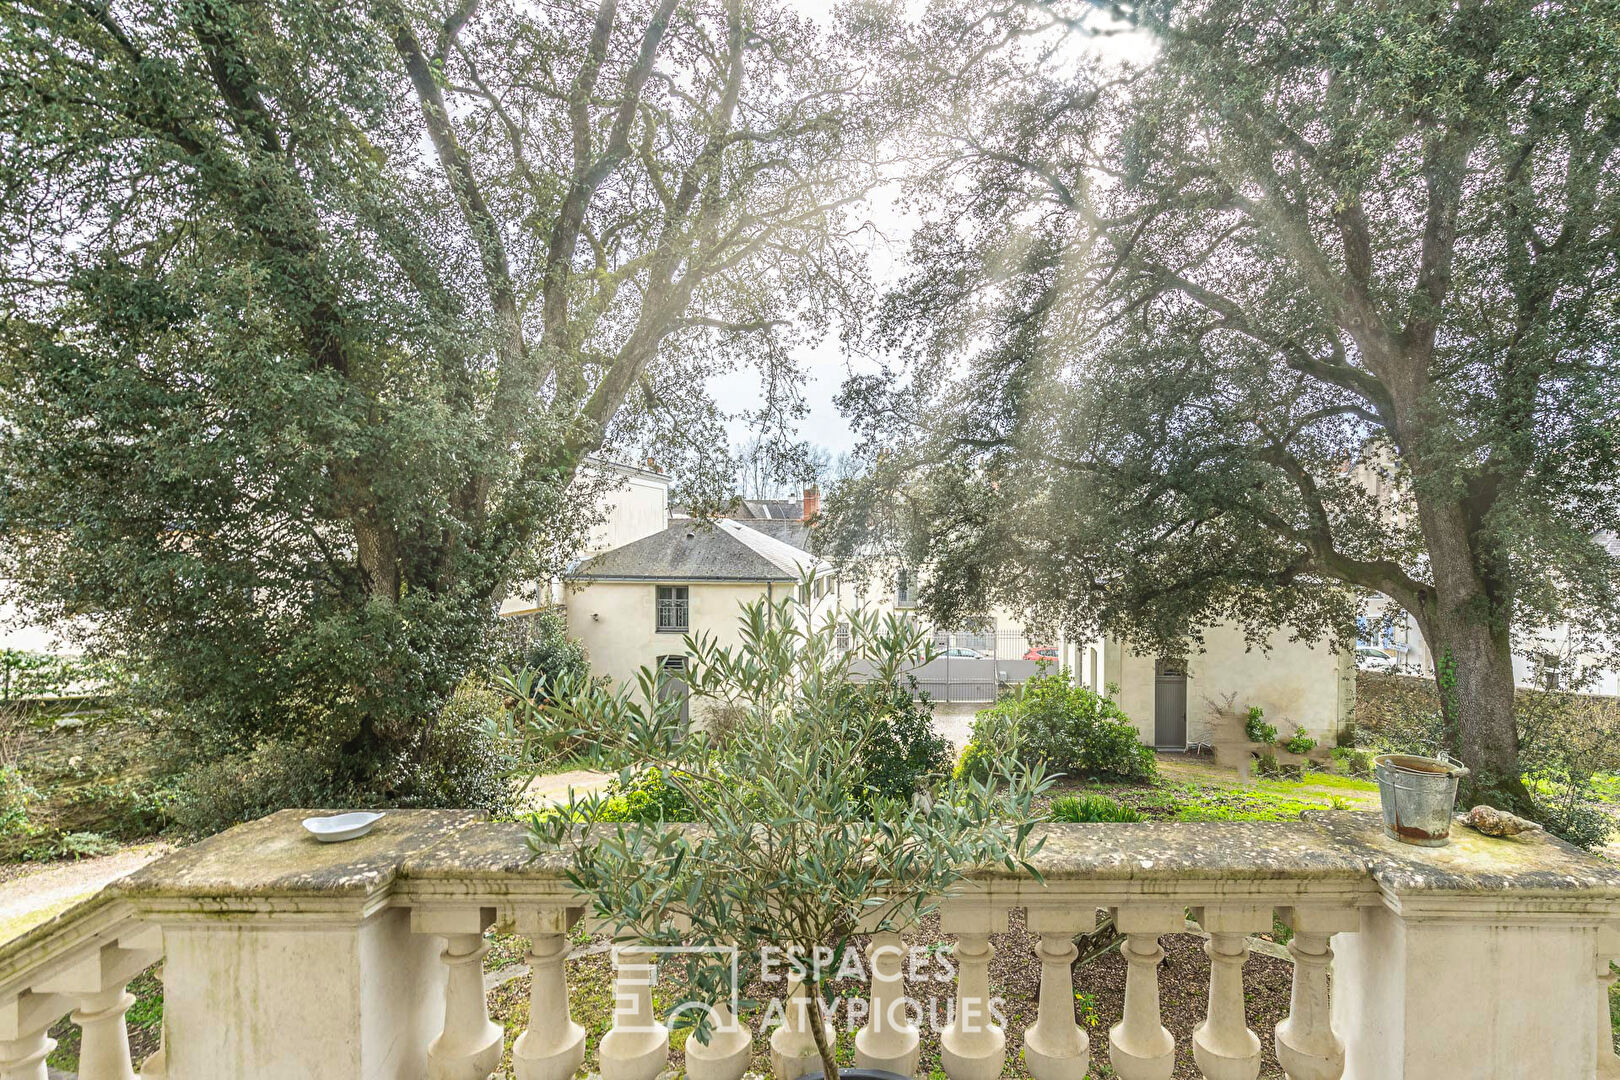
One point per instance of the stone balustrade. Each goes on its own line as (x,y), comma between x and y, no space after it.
(285,959)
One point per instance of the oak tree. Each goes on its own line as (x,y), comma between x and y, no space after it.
(314,311)
(1300,302)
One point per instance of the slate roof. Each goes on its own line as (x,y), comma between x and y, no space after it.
(772,509)
(722,550)
(791,531)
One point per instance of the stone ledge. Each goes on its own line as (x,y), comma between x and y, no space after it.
(449,854)
(275,856)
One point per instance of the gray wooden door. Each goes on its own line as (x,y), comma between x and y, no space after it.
(672,684)
(1170,707)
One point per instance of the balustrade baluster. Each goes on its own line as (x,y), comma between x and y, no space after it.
(730,1047)
(1055,1047)
(99,984)
(890,1040)
(552,1045)
(1608,1062)
(24,1058)
(1307,1045)
(1223,1045)
(793,1044)
(103,1035)
(1140,1047)
(727,1053)
(24,1042)
(972,1046)
(637,1046)
(468,1047)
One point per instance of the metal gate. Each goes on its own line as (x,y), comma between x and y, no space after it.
(975,666)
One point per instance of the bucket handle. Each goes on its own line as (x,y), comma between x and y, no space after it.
(1445,756)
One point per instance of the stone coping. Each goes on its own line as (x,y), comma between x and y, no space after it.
(274,856)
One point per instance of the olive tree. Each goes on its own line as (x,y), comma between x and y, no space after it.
(314,310)
(1295,303)
(791,846)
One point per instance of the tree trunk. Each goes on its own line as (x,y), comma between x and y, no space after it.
(1474,672)
(1469,636)
(829,1056)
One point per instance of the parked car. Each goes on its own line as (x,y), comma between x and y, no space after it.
(962,652)
(1371,659)
(1041,652)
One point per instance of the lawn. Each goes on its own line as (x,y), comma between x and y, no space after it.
(1193,789)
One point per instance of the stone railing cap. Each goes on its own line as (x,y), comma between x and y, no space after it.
(275,856)
(1472,862)
(1206,850)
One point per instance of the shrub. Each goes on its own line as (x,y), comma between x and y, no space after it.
(902,754)
(1300,742)
(1567,740)
(123,807)
(1255,728)
(994,733)
(648,798)
(974,762)
(836,860)
(1398,714)
(1069,728)
(17,829)
(1091,807)
(1356,760)
(80,845)
(460,760)
(540,643)
(1575,821)
(454,761)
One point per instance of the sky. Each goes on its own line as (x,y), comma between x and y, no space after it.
(825,363)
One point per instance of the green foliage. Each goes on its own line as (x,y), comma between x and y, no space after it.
(648,799)
(451,761)
(79,845)
(1091,807)
(1300,742)
(1571,743)
(1255,728)
(540,644)
(1355,760)
(286,403)
(17,830)
(902,754)
(809,850)
(1069,729)
(1576,820)
(1161,379)
(25,675)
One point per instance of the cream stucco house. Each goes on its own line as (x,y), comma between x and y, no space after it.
(634,502)
(631,606)
(1173,702)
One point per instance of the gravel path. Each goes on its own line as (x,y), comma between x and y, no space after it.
(553,788)
(33,897)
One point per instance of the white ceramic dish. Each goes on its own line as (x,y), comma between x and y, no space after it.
(330,830)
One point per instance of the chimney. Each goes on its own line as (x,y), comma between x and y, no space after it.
(812,503)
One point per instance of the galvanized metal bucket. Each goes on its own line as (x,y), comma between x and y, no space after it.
(1418,795)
